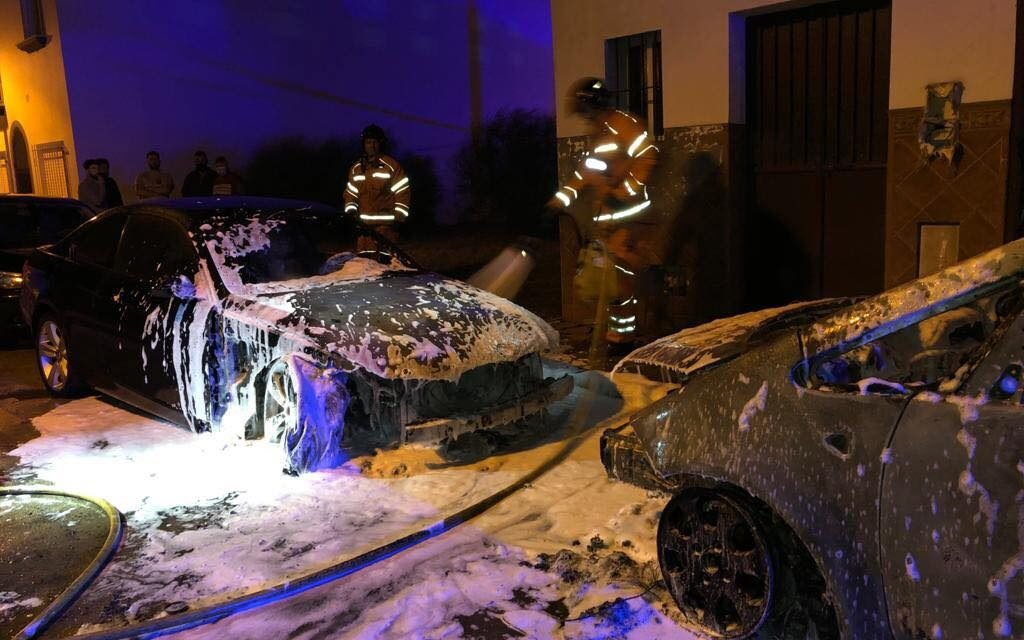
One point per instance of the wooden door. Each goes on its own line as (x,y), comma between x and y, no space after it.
(817,103)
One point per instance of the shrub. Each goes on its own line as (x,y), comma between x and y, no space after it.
(507,171)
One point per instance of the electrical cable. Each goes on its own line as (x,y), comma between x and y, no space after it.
(188,620)
(66,597)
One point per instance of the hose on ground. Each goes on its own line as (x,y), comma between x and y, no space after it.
(66,597)
(188,620)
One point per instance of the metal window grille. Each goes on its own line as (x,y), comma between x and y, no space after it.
(5,177)
(32,18)
(54,169)
(633,75)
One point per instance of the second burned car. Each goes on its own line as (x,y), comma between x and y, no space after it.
(844,468)
(282,321)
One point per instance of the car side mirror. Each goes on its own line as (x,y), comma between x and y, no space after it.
(179,287)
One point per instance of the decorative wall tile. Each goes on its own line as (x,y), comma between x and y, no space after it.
(972,193)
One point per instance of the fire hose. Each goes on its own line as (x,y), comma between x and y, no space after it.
(207,615)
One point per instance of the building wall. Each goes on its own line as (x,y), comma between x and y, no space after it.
(951,40)
(972,42)
(703,74)
(179,76)
(34,92)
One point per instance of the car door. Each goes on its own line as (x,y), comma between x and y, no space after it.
(82,297)
(155,252)
(952,504)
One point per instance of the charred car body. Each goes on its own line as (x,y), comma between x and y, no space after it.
(854,472)
(279,320)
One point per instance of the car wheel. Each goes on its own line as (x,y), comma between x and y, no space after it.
(280,403)
(733,577)
(55,369)
(308,429)
(716,563)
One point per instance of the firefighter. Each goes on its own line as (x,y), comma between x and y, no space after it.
(377,189)
(611,178)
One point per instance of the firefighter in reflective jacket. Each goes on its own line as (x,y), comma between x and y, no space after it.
(613,174)
(377,189)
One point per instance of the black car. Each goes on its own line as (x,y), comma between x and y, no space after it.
(843,469)
(27,222)
(279,320)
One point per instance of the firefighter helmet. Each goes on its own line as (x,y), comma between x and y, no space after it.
(376,133)
(588,94)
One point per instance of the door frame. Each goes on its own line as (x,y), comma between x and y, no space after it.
(1014,225)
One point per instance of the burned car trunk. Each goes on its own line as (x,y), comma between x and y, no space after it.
(880,441)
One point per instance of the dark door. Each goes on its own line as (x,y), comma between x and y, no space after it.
(817,102)
(84,299)
(153,252)
(19,158)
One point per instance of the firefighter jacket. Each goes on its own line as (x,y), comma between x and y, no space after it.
(614,169)
(378,192)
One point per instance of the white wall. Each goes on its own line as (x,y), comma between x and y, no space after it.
(34,93)
(971,41)
(932,40)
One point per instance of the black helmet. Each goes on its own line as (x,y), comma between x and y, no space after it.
(588,94)
(376,133)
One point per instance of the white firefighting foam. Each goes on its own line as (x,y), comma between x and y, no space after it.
(208,518)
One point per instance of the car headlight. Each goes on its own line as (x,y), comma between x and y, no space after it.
(10,280)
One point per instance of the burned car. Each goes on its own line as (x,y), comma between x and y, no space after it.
(844,470)
(282,321)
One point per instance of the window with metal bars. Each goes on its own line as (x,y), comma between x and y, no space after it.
(53,167)
(632,69)
(5,178)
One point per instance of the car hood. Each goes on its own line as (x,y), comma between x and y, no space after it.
(11,260)
(400,325)
(676,357)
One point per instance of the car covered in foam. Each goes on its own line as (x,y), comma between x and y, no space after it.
(844,468)
(279,320)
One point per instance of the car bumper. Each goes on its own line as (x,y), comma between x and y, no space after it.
(449,428)
(625,459)
(10,314)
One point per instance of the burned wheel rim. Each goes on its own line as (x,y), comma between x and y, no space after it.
(52,352)
(280,403)
(716,563)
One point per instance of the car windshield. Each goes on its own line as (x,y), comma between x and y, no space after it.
(287,250)
(29,224)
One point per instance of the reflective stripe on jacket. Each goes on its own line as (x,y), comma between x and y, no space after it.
(378,192)
(615,168)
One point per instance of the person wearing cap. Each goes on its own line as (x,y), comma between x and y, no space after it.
(612,178)
(377,191)
(199,181)
(92,191)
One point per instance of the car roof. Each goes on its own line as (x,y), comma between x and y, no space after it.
(31,199)
(205,205)
(910,303)
(193,211)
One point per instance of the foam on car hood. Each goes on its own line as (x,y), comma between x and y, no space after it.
(401,325)
(679,355)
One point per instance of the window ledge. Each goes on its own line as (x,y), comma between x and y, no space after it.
(34,43)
